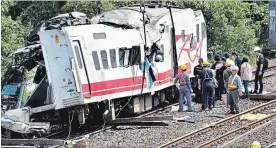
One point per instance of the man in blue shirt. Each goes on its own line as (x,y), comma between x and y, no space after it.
(234,90)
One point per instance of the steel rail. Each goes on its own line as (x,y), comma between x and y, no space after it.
(190,135)
(208,143)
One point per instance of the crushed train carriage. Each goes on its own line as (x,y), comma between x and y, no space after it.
(98,65)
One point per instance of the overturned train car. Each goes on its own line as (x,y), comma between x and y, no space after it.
(95,68)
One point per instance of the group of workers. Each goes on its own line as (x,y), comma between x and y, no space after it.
(224,77)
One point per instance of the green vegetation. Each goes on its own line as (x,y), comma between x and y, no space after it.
(231,25)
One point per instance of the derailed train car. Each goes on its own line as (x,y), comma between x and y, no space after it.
(111,65)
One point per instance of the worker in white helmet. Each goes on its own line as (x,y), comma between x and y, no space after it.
(234,90)
(259,71)
(256,144)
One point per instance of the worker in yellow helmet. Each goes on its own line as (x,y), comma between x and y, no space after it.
(205,80)
(226,75)
(185,88)
(256,144)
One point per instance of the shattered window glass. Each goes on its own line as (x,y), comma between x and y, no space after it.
(121,57)
(112,53)
(136,55)
(126,59)
(76,48)
(104,59)
(96,60)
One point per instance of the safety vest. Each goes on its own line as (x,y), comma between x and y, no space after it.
(182,79)
(231,85)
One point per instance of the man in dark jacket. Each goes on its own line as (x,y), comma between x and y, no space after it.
(237,61)
(259,71)
(197,70)
(206,84)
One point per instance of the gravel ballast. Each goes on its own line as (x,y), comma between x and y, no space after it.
(134,136)
(265,136)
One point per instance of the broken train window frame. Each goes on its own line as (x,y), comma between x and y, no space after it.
(129,56)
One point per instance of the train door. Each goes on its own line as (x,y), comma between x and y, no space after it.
(79,67)
(172,46)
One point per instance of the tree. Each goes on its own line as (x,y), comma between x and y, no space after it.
(13,35)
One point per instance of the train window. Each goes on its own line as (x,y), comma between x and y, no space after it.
(112,53)
(203,30)
(97,36)
(160,54)
(96,60)
(183,36)
(126,58)
(134,56)
(77,51)
(121,57)
(104,59)
(197,33)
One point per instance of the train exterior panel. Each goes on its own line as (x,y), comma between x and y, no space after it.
(99,67)
(104,66)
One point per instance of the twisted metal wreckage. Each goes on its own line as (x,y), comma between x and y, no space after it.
(15,116)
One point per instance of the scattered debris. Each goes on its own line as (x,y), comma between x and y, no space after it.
(188,119)
(250,116)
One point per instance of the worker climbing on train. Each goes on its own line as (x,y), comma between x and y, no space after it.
(198,68)
(205,80)
(234,90)
(185,89)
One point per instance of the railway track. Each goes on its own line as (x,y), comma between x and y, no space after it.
(224,130)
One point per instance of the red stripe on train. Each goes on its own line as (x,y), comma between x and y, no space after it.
(112,91)
(126,84)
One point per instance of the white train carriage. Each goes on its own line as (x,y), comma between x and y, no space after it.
(93,63)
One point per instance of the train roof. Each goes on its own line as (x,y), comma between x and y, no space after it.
(131,16)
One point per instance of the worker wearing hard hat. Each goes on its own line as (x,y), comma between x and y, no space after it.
(259,71)
(226,75)
(185,88)
(206,81)
(234,90)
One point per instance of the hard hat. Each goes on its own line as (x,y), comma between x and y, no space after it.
(257,49)
(235,68)
(228,64)
(205,63)
(256,144)
(183,67)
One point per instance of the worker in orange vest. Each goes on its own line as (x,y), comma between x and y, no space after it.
(234,90)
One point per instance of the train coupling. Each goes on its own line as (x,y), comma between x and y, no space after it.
(18,120)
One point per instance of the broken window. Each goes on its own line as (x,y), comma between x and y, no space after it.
(129,57)
(121,57)
(134,56)
(96,60)
(104,59)
(197,33)
(76,48)
(112,53)
(159,57)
